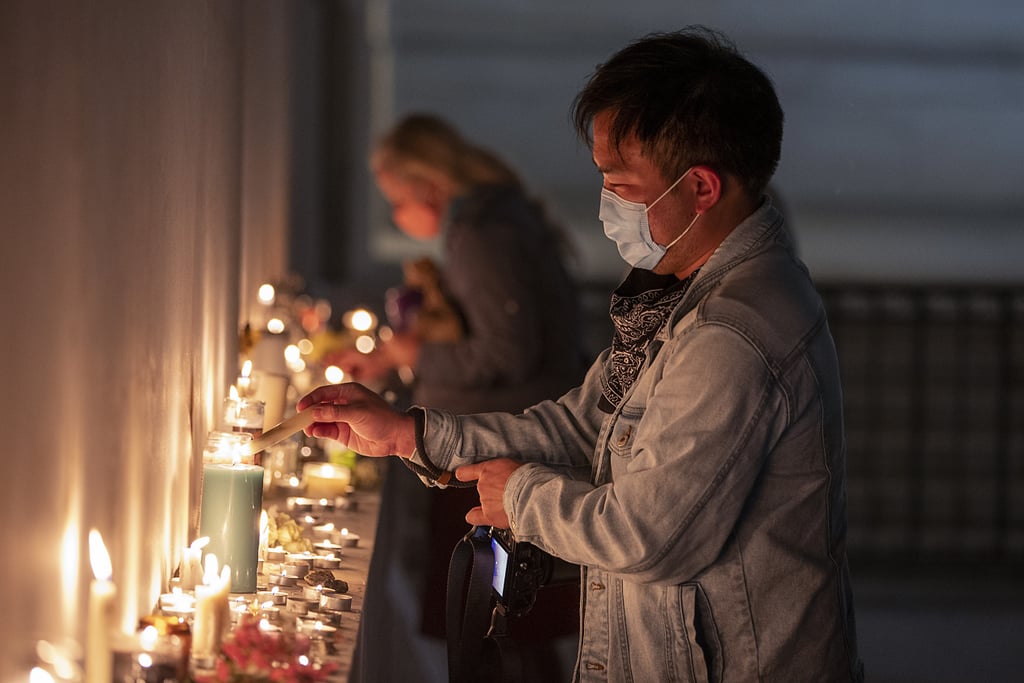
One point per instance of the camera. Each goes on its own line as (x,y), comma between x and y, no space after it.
(520,569)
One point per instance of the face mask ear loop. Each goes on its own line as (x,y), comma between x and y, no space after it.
(670,188)
(683,233)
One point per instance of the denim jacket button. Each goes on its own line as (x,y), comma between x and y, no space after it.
(625,437)
(594,666)
(596,586)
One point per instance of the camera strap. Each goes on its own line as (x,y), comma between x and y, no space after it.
(468,605)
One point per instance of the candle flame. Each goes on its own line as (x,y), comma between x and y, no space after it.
(210,569)
(233,393)
(266,294)
(38,675)
(246,368)
(99,558)
(148,637)
(344,531)
(200,543)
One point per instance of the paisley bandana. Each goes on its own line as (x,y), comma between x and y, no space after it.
(639,308)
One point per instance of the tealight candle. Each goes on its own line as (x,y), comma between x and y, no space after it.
(269,611)
(324,531)
(324,480)
(296,569)
(327,562)
(297,606)
(314,593)
(282,580)
(316,627)
(348,539)
(329,616)
(340,602)
(273,596)
(327,548)
(276,554)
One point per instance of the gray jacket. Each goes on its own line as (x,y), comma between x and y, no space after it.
(712,526)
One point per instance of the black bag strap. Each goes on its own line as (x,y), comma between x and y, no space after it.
(468,615)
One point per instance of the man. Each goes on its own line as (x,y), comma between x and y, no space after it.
(712,529)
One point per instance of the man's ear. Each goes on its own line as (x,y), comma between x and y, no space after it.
(708,187)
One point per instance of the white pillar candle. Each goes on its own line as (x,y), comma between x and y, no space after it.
(102,594)
(191,572)
(213,612)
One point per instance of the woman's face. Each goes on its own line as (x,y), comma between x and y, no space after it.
(416,206)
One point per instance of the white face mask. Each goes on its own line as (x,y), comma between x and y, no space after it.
(625,223)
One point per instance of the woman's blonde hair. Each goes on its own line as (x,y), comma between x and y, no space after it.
(424,147)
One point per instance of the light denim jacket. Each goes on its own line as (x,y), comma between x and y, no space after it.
(712,528)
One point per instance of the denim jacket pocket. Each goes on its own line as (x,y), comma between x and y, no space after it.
(701,633)
(620,441)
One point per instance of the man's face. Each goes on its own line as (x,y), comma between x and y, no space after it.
(414,209)
(635,178)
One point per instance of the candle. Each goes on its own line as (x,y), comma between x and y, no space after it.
(316,627)
(323,531)
(177,603)
(274,596)
(102,593)
(213,611)
(227,448)
(297,569)
(232,496)
(329,616)
(347,539)
(245,416)
(327,562)
(341,602)
(191,570)
(314,593)
(327,547)
(324,480)
(282,580)
(246,383)
(277,554)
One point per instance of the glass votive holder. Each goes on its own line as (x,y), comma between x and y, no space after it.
(150,657)
(227,448)
(244,415)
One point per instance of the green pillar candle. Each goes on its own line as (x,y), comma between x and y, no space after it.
(232,498)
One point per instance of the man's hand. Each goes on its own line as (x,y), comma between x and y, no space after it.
(360,419)
(491,476)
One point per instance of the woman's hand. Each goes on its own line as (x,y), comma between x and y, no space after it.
(360,419)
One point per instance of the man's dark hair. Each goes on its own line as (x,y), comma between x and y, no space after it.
(690,98)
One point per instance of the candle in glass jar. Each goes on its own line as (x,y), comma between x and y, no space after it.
(232,496)
(243,414)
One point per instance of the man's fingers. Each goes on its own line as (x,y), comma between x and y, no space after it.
(476,517)
(468,472)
